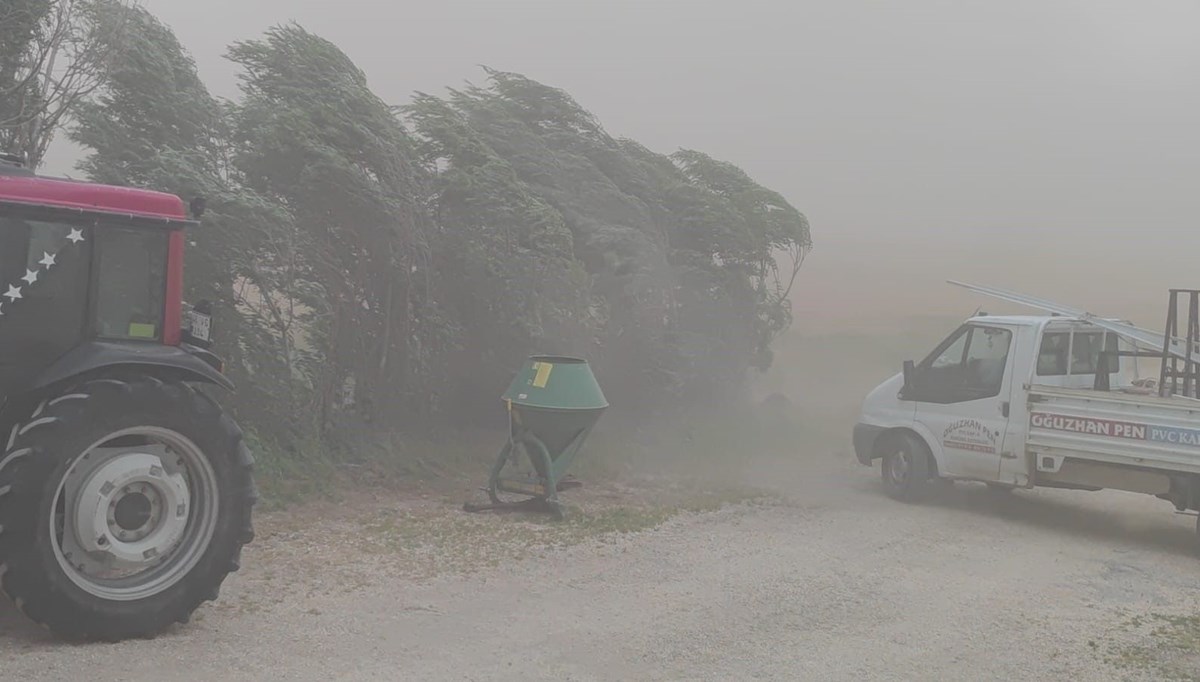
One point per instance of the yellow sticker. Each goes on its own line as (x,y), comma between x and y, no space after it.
(543,374)
(141,331)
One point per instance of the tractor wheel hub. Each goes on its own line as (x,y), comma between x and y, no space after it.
(131,509)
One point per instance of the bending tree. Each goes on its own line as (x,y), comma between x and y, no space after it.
(53,55)
(684,290)
(311,136)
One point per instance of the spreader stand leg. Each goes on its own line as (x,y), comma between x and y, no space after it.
(493,489)
(546,503)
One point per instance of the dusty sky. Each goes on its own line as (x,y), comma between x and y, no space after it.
(1044,145)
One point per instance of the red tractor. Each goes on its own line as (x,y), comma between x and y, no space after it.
(125,491)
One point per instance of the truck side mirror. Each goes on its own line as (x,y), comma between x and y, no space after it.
(910,371)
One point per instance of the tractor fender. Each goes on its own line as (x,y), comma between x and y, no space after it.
(94,356)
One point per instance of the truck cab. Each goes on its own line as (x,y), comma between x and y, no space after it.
(963,404)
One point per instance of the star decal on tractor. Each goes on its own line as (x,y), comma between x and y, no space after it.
(32,276)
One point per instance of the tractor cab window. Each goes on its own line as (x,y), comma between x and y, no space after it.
(131,274)
(44,270)
(24,243)
(42,263)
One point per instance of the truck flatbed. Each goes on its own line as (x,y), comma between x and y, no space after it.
(1115,427)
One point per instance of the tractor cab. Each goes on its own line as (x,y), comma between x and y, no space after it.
(86,263)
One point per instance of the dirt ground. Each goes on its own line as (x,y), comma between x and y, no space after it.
(823,579)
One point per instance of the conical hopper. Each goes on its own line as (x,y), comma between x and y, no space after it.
(557,400)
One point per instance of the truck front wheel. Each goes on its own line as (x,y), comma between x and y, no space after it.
(124,504)
(905,468)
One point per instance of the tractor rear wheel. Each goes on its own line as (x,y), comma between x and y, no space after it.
(124,504)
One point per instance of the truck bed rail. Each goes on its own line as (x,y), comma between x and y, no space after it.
(1117,428)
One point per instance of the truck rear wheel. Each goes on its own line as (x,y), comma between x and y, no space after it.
(905,468)
(124,504)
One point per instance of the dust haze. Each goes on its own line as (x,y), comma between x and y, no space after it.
(1047,147)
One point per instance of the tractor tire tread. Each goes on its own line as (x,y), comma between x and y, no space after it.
(38,586)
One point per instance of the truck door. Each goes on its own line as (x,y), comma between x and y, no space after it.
(962,395)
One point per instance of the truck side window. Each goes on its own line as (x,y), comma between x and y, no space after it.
(1112,346)
(1076,353)
(954,353)
(1086,349)
(1052,358)
(987,357)
(970,366)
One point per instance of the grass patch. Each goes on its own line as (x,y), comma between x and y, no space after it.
(705,450)
(580,525)
(1167,647)
(287,476)
(310,471)
(428,542)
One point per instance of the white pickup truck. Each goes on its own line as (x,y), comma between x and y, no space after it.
(1014,402)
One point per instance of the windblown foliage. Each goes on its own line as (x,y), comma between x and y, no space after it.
(392,267)
(682,289)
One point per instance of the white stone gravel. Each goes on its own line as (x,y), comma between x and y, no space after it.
(836,582)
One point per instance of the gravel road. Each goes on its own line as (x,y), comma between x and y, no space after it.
(833,581)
